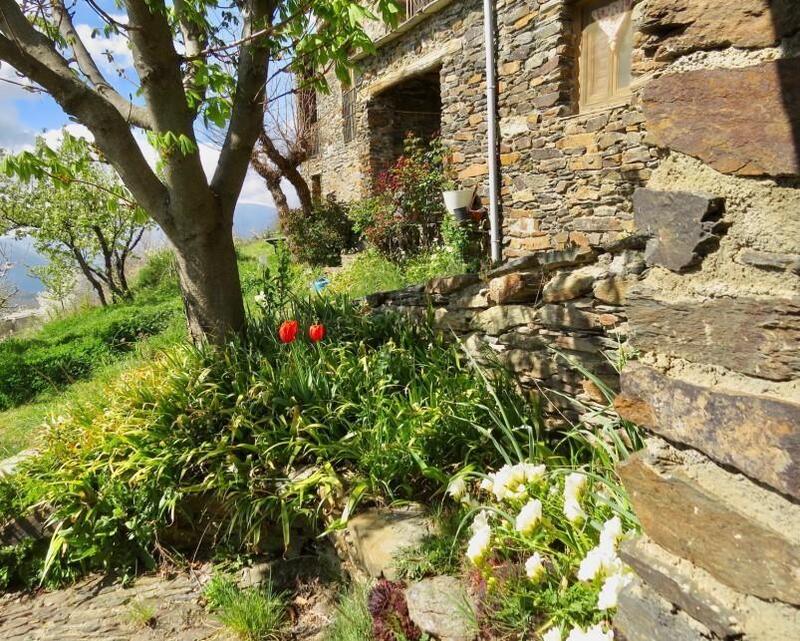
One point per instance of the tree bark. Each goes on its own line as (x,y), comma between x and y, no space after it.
(209,278)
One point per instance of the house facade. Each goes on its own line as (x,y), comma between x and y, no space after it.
(569,158)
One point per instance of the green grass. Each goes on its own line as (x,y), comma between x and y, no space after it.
(112,346)
(254,614)
(370,272)
(353,621)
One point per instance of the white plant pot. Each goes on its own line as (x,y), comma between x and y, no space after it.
(457,201)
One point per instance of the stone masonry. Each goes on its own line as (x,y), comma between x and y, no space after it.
(695,181)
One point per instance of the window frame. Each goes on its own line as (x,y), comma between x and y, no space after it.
(617,95)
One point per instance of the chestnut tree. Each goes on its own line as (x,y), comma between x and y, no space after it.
(195,61)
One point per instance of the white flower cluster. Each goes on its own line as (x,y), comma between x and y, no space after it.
(534,568)
(594,633)
(510,481)
(529,517)
(481,539)
(574,487)
(603,562)
(260,299)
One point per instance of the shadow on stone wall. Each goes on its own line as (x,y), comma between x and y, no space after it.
(786,20)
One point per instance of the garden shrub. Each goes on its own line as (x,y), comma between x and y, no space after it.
(266,433)
(404,217)
(320,238)
(70,348)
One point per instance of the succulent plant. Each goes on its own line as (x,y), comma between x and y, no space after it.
(389,610)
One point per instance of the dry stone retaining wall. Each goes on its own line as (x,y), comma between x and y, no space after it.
(539,316)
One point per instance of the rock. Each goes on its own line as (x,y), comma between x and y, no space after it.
(549,260)
(450,284)
(711,115)
(678,27)
(472,297)
(517,287)
(770,260)
(683,227)
(611,290)
(654,565)
(703,514)
(568,315)
(375,538)
(755,434)
(755,336)
(727,613)
(456,320)
(441,607)
(499,319)
(642,615)
(569,285)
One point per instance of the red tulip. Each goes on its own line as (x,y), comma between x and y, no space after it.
(316,332)
(287,332)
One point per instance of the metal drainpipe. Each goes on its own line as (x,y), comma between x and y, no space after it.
(491,120)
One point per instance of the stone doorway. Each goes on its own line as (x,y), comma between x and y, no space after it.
(413,104)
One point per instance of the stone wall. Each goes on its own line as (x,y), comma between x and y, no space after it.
(567,177)
(716,319)
(539,316)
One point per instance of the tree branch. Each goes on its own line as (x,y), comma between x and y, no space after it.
(134,114)
(248,110)
(31,54)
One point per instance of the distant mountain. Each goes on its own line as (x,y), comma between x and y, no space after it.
(250,219)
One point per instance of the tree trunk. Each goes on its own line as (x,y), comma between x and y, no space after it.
(209,278)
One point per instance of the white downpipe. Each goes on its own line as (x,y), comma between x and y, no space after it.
(491,121)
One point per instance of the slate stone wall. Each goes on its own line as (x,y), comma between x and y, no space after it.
(544,317)
(716,319)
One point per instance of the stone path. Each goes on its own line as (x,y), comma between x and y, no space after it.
(96,609)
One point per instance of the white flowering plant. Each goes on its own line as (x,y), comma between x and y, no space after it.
(543,548)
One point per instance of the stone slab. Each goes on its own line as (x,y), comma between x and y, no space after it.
(678,27)
(551,259)
(727,613)
(712,115)
(375,538)
(754,336)
(702,526)
(642,615)
(755,434)
(683,227)
(441,607)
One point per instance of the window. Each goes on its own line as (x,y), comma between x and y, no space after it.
(605,33)
(349,112)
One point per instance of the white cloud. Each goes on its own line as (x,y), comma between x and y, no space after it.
(13,135)
(110,53)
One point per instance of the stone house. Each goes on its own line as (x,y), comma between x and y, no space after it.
(650,191)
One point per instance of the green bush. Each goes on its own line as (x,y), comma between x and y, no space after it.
(70,348)
(404,217)
(159,272)
(318,239)
(262,433)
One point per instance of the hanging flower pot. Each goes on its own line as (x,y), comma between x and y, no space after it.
(457,202)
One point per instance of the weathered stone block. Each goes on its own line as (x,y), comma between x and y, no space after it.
(501,318)
(516,288)
(569,316)
(612,290)
(568,285)
(375,538)
(551,260)
(683,227)
(679,27)
(441,607)
(699,522)
(450,284)
(642,615)
(727,613)
(755,434)
(755,336)
(456,320)
(739,121)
